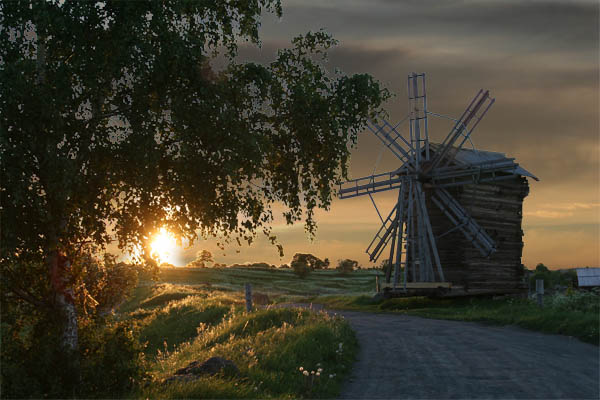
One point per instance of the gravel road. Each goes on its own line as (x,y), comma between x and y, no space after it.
(404,357)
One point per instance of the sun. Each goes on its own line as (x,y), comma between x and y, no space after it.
(163,246)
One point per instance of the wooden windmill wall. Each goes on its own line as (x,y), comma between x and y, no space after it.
(497,207)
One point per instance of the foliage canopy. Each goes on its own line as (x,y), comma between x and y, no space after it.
(113,123)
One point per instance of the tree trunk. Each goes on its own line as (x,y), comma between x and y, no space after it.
(59,270)
(64,300)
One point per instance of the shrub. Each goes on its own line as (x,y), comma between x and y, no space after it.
(33,366)
(347,266)
(101,285)
(301,269)
(576,300)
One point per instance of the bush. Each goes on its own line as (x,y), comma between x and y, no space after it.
(111,363)
(575,300)
(101,285)
(553,278)
(301,269)
(346,266)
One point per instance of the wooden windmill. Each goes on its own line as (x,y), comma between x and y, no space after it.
(431,181)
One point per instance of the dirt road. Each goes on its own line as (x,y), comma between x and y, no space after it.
(404,357)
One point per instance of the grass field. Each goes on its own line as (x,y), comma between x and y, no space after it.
(576,314)
(180,323)
(274,281)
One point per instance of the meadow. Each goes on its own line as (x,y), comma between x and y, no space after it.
(571,313)
(188,315)
(195,314)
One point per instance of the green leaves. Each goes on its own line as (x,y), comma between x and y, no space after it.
(124,127)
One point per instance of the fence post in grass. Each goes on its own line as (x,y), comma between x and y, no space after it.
(248,297)
(377,283)
(539,289)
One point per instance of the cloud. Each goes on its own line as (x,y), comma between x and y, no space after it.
(516,26)
(556,211)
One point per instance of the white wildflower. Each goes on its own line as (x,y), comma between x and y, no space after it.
(305,373)
(318,374)
(301,369)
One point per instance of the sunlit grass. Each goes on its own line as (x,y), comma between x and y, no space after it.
(184,323)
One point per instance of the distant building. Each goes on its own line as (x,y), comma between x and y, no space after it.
(588,277)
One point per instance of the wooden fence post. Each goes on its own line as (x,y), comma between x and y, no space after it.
(248,297)
(539,289)
(377,289)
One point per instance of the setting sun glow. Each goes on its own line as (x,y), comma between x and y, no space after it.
(163,247)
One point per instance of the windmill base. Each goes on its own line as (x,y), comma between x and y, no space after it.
(442,289)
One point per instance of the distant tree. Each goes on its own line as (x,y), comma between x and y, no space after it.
(113,126)
(385,265)
(301,268)
(202,257)
(326,263)
(167,265)
(310,260)
(541,268)
(346,266)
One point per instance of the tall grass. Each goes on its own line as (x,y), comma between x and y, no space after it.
(181,324)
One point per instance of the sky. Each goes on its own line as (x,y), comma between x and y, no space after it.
(539,59)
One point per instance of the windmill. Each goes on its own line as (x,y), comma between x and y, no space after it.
(426,174)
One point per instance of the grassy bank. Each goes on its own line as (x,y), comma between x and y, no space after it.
(576,314)
(185,323)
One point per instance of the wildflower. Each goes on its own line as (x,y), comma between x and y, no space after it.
(255,388)
(301,369)
(318,364)
(305,373)
(318,374)
(320,370)
(312,372)
(331,375)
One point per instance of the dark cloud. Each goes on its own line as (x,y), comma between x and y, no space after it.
(541,25)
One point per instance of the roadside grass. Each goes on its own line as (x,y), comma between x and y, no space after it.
(576,315)
(185,323)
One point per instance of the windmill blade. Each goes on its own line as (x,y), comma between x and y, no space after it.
(393,140)
(372,184)
(488,171)
(417,111)
(463,127)
(428,231)
(388,227)
(382,236)
(461,219)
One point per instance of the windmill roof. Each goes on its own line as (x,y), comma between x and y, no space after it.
(473,156)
